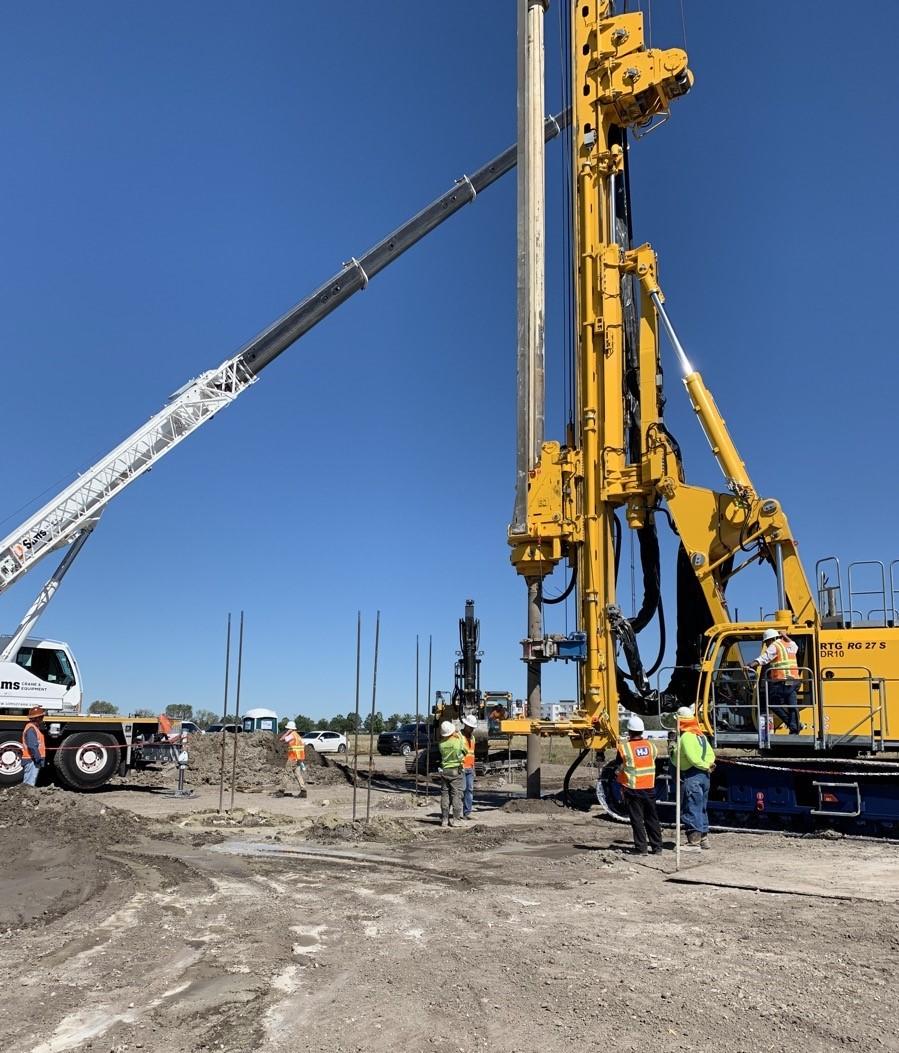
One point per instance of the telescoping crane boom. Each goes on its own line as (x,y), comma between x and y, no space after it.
(69,517)
(620,457)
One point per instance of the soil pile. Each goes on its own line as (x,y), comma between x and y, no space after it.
(53,846)
(260,765)
(531,806)
(239,817)
(331,828)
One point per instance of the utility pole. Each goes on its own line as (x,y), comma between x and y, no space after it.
(531,320)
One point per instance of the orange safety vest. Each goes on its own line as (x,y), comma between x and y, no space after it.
(639,769)
(296,748)
(784,666)
(468,756)
(41,744)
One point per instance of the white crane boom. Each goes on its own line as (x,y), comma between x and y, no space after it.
(77,508)
(63,518)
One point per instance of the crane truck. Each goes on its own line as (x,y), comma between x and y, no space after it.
(86,751)
(621,460)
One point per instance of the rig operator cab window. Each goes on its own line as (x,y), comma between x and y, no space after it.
(735,699)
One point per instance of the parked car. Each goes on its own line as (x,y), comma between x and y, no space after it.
(224,727)
(188,727)
(325,741)
(403,739)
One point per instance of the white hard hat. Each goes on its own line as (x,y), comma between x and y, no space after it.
(470,722)
(291,725)
(685,713)
(770,634)
(635,724)
(447,729)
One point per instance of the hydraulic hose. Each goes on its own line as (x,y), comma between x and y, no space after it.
(566,796)
(568,589)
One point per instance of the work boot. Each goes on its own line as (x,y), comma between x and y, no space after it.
(452,822)
(693,839)
(704,841)
(444,823)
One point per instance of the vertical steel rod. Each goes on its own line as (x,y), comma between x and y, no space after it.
(535,632)
(371,737)
(677,804)
(356,722)
(224,716)
(417,712)
(434,731)
(236,712)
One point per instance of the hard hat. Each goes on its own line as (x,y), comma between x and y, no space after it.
(770,634)
(685,713)
(470,722)
(291,725)
(447,729)
(37,711)
(635,724)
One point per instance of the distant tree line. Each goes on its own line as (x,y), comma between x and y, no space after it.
(346,725)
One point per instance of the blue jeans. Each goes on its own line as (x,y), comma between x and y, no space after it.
(695,800)
(467,790)
(31,770)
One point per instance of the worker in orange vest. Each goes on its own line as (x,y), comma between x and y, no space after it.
(637,778)
(781,671)
(296,754)
(34,747)
(469,724)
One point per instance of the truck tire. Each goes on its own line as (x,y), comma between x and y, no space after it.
(11,770)
(86,760)
(405,749)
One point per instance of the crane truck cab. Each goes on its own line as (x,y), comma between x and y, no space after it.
(43,673)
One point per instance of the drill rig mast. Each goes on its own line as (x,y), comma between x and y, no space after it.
(622,457)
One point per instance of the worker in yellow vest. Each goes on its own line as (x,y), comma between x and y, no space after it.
(296,754)
(637,778)
(692,752)
(452,750)
(34,746)
(469,724)
(780,670)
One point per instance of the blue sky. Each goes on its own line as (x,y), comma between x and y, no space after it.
(180,174)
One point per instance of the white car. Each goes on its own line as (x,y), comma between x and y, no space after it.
(325,741)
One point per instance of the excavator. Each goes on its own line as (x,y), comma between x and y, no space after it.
(468,700)
(620,468)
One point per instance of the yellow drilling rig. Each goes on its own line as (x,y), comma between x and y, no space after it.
(815,759)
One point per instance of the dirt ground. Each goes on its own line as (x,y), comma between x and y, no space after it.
(133,920)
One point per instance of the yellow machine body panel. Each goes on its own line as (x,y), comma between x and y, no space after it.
(847,693)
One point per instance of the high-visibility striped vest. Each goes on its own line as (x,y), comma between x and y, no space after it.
(296,748)
(638,772)
(468,755)
(41,744)
(452,750)
(784,666)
